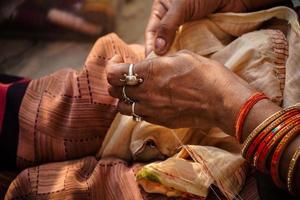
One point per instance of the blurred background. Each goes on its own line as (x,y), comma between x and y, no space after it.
(38,37)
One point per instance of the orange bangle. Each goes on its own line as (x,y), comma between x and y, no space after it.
(253,146)
(271,140)
(278,153)
(239,123)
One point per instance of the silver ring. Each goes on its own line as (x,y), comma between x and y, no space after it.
(125,97)
(135,117)
(130,70)
(131,78)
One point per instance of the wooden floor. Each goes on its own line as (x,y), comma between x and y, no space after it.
(37,58)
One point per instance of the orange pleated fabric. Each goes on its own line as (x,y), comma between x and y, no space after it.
(67,114)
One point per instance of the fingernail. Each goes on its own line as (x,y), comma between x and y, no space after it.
(160,44)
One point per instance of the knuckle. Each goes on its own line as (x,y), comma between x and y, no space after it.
(114,92)
(188,56)
(186,53)
(164,28)
(110,74)
(122,108)
(110,91)
(147,72)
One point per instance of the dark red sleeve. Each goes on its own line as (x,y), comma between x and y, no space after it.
(12,90)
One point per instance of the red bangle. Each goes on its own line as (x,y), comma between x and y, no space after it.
(239,123)
(270,142)
(263,126)
(253,146)
(278,153)
(291,182)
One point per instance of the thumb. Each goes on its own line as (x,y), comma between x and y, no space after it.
(166,31)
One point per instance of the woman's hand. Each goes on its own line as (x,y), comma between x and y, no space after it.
(167,15)
(181,90)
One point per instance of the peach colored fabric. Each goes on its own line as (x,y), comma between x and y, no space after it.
(78,179)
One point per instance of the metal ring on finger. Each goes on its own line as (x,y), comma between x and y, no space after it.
(135,117)
(126,99)
(131,78)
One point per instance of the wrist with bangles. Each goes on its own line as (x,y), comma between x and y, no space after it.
(265,146)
